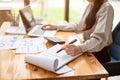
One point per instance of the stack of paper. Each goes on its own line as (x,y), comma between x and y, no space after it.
(26,45)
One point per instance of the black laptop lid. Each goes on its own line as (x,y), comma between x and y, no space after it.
(27,17)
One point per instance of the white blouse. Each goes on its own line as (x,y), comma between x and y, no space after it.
(100,35)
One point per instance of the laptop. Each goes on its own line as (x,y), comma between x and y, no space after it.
(30,26)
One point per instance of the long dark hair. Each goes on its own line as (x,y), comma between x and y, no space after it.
(91,18)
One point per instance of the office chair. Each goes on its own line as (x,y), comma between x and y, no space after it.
(113,67)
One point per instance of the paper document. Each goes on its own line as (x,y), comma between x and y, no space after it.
(15,30)
(31,45)
(8,42)
(52,61)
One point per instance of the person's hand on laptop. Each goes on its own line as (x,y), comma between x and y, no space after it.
(49,27)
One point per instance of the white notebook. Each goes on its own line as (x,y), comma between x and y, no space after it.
(50,60)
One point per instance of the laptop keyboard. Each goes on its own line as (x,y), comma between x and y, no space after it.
(39,31)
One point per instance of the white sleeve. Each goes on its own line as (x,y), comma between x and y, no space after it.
(68,26)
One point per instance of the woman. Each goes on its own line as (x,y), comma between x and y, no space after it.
(96,25)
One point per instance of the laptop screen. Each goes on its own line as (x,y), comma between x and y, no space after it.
(27,17)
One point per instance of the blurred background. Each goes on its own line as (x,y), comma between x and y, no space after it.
(54,10)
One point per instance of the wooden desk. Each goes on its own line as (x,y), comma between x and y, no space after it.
(13,66)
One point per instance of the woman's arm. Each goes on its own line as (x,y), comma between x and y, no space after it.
(102,33)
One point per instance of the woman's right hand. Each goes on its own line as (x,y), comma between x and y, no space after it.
(49,27)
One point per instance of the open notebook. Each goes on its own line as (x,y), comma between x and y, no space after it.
(50,60)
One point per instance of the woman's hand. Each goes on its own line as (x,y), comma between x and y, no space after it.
(72,50)
(49,27)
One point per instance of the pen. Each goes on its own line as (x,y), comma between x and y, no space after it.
(68,43)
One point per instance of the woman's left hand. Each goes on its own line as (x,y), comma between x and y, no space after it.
(72,50)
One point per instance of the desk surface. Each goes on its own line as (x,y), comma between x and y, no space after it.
(13,66)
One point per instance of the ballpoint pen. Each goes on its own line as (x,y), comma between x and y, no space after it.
(68,43)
